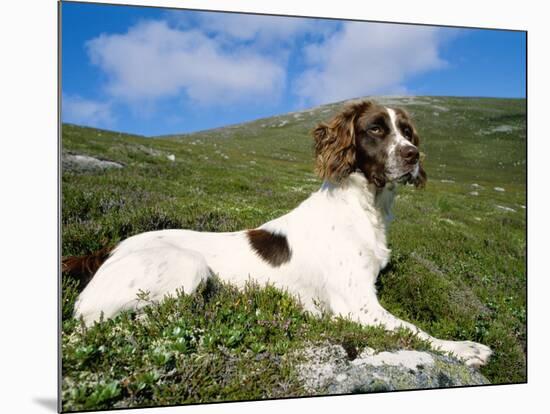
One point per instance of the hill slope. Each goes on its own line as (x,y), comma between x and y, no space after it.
(458,267)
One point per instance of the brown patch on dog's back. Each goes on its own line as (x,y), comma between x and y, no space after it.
(271,247)
(83,268)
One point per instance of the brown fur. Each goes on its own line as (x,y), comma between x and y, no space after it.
(342,146)
(271,247)
(420,181)
(335,143)
(83,268)
(371,150)
(403,117)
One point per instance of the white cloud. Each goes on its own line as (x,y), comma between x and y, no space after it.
(264,30)
(221,59)
(78,110)
(153,60)
(367,58)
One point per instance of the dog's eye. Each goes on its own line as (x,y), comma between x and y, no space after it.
(408,132)
(375,129)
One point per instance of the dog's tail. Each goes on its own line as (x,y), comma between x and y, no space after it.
(83,268)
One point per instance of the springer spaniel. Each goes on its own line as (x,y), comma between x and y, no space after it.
(329,249)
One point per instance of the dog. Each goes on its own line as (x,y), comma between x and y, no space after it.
(328,251)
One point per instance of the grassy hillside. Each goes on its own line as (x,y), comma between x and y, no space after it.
(458,267)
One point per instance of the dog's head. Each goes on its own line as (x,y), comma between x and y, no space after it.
(380,142)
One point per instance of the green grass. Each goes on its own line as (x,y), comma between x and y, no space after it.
(219,344)
(458,267)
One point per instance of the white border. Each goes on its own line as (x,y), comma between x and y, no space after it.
(28,31)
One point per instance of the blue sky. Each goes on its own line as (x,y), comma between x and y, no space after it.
(154,71)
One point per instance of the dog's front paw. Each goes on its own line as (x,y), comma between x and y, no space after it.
(473,354)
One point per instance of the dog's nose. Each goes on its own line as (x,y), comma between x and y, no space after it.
(410,154)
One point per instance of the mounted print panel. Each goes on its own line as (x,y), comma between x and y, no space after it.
(261,207)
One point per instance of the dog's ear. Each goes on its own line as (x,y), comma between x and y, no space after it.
(335,144)
(422,177)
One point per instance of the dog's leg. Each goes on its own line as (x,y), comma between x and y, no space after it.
(366,309)
(130,280)
(472,353)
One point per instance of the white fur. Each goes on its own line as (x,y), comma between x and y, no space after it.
(338,242)
(394,164)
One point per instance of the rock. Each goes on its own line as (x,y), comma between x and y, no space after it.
(499,189)
(448,221)
(504,208)
(503,128)
(147,150)
(328,370)
(506,129)
(171,157)
(86,163)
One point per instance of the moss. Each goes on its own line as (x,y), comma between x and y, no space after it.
(460,373)
(456,271)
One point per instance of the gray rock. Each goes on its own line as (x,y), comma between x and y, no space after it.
(504,208)
(507,129)
(86,163)
(327,369)
(147,150)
